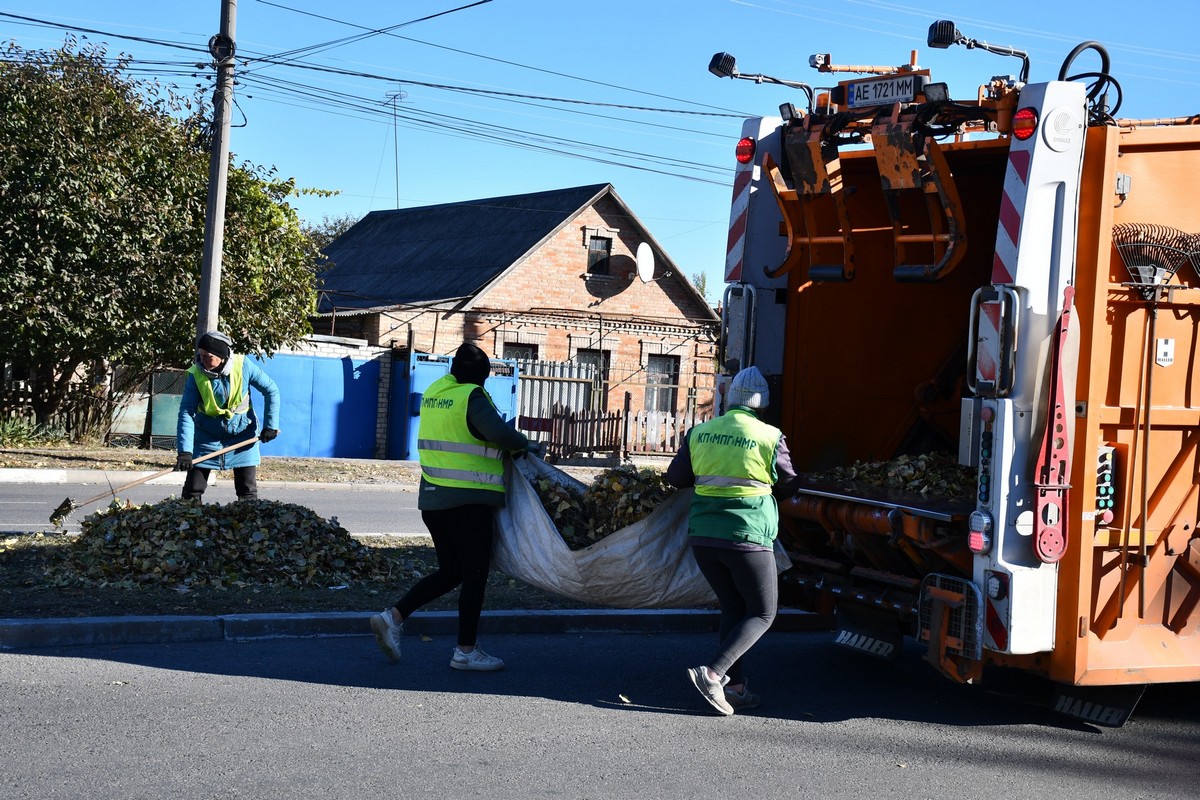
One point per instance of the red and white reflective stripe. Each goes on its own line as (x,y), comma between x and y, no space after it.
(735,250)
(1008,232)
(995,626)
(988,355)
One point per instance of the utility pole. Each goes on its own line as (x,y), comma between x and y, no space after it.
(222,48)
(395,97)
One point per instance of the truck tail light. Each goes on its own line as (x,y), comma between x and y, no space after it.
(1024,123)
(979,542)
(745,150)
(979,536)
(995,585)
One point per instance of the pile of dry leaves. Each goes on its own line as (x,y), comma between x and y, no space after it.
(616,499)
(937,474)
(185,544)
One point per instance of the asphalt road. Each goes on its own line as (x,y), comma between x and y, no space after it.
(574,716)
(360,509)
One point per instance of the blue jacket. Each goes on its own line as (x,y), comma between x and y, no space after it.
(201,434)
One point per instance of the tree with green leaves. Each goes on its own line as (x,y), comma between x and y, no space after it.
(329,228)
(103,185)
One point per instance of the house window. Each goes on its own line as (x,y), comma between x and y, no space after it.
(599,250)
(521,352)
(600,360)
(662,383)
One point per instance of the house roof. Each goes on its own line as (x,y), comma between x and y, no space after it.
(432,253)
(452,251)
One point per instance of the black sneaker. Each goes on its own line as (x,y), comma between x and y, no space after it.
(743,699)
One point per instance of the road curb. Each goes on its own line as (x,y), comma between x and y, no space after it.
(27,634)
(116,478)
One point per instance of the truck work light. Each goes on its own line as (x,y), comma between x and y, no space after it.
(723,65)
(944,33)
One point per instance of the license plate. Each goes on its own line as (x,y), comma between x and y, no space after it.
(881,91)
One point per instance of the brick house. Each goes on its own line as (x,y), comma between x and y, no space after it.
(546,276)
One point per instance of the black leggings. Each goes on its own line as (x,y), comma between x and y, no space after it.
(462,538)
(747,587)
(245,483)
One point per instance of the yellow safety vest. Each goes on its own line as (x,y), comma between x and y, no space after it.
(734,455)
(238,401)
(450,454)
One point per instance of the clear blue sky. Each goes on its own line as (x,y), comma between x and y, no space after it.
(484,108)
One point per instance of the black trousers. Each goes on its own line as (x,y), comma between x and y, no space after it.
(245,483)
(462,538)
(747,589)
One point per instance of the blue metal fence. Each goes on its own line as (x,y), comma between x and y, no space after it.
(412,374)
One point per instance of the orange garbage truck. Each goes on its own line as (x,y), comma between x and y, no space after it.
(1010,280)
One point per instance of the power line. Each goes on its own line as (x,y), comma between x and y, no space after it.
(387,32)
(500,135)
(370,32)
(374,76)
(503,135)
(492,92)
(63,26)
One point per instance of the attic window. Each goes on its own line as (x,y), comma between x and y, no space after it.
(599,251)
(599,241)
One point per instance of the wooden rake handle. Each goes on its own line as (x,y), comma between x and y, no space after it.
(160,473)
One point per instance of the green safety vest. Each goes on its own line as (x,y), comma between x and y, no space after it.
(238,401)
(450,454)
(734,455)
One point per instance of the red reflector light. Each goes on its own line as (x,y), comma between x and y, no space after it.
(745,150)
(1024,123)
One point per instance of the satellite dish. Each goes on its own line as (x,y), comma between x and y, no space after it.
(645,262)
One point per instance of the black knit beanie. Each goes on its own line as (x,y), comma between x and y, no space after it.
(209,343)
(470,364)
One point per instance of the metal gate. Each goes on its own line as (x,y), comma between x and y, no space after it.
(413,373)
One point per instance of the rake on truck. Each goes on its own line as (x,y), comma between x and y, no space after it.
(1152,254)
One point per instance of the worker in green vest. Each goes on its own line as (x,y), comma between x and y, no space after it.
(461,441)
(215,412)
(738,464)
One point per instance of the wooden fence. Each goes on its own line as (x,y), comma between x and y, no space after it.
(574,433)
(83,413)
(560,405)
(616,433)
(655,432)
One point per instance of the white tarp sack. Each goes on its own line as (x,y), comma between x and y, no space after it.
(645,565)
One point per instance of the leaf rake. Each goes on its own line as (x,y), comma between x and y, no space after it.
(68,505)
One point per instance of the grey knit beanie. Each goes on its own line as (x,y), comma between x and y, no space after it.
(749,388)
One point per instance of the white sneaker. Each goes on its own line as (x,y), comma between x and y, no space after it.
(475,660)
(387,634)
(713,691)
